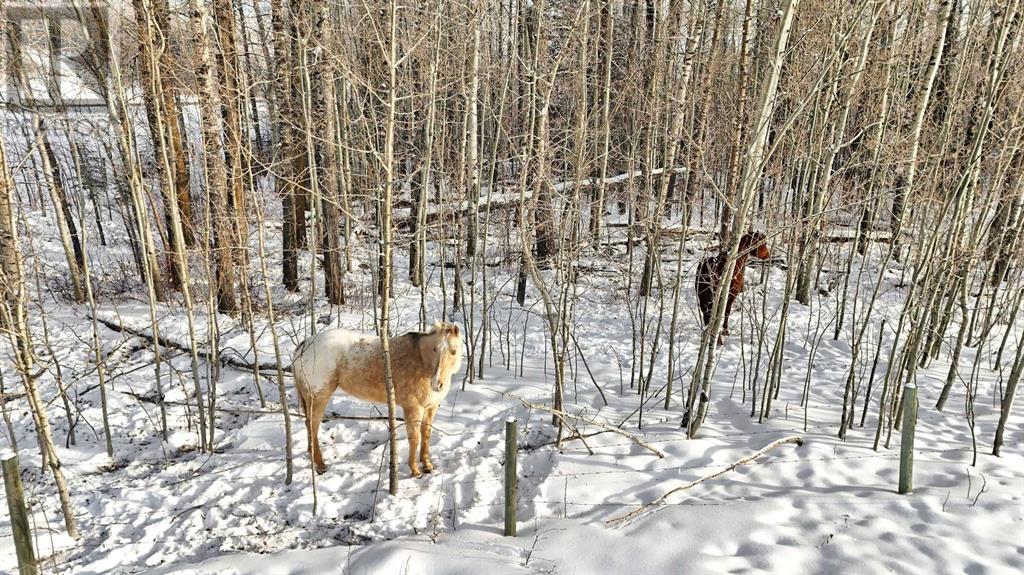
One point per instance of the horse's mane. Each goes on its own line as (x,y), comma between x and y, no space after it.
(416,335)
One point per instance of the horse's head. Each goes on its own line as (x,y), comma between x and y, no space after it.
(755,244)
(441,350)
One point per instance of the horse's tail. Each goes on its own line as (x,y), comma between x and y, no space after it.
(301,389)
(299,349)
(299,376)
(705,278)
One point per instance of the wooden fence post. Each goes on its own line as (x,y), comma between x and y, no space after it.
(19,517)
(907,442)
(511,476)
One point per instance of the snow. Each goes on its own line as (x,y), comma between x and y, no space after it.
(828,506)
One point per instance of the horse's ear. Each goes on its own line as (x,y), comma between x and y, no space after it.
(453,329)
(437,326)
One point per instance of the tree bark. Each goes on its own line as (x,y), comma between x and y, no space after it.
(284,143)
(220,190)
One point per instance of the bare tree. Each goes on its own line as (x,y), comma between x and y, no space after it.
(752,170)
(14,322)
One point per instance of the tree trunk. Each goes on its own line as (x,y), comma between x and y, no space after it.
(752,171)
(69,237)
(284,143)
(739,130)
(385,243)
(472,139)
(220,191)
(153,98)
(1007,400)
(173,122)
(231,221)
(900,195)
(597,210)
(13,318)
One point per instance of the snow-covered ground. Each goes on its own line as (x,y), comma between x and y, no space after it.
(828,506)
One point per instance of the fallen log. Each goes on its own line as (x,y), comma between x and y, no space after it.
(257,412)
(165,342)
(623,519)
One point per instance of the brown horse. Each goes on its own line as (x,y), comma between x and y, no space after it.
(711,269)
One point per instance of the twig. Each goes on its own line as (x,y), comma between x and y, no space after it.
(184,511)
(604,426)
(984,484)
(622,519)
(569,438)
(576,433)
(587,366)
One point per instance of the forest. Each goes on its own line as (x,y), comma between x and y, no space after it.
(746,274)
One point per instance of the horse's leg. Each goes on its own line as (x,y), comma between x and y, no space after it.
(315,414)
(413,420)
(425,429)
(728,312)
(702,288)
(302,392)
(705,308)
(705,295)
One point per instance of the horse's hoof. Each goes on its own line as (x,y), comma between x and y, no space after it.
(427,467)
(416,474)
(321,469)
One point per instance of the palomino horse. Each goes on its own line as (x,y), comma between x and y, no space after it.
(422,365)
(711,269)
